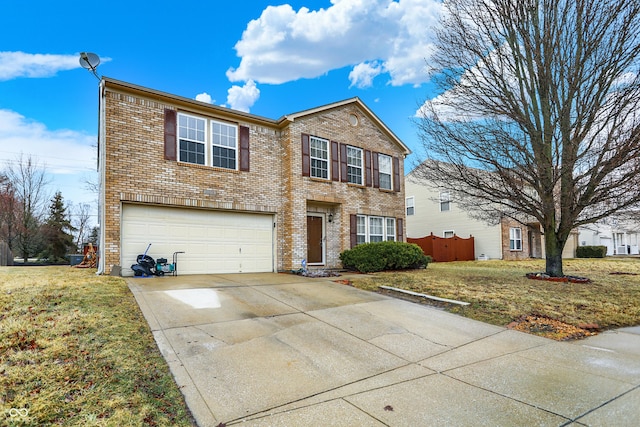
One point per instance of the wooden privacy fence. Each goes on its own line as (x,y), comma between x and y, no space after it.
(446,249)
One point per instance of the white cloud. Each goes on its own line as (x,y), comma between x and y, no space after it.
(61,151)
(363,74)
(242,98)
(204,97)
(19,64)
(284,45)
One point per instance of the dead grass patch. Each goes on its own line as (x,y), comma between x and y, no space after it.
(75,350)
(499,293)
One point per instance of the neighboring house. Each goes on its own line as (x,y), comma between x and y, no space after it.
(431,210)
(621,237)
(238,192)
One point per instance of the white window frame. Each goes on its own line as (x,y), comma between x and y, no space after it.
(448,234)
(410,205)
(515,239)
(386,170)
(361,229)
(316,159)
(390,224)
(445,201)
(364,228)
(222,144)
(351,165)
(208,140)
(191,136)
(376,229)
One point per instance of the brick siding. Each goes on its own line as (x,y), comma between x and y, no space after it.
(135,171)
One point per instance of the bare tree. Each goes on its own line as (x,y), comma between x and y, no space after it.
(29,181)
(81,216)
(8,205)
(538,113)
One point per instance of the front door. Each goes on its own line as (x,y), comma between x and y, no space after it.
(315,248)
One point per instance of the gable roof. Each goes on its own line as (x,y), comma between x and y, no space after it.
(358,102)
(280,123)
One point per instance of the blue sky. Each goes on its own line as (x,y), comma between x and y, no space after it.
(267,57)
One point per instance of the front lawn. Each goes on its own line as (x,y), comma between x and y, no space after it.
(75,350)
(500,293)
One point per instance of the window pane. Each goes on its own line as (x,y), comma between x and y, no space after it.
(319,153)
(391,229)
(224,143)
(224,157)
(361,229)
(376,229)
(410,204)
(385,181)
(190,128)
(191,152)
(354,165)
(515,239)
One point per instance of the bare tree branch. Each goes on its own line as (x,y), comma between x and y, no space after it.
(538,114)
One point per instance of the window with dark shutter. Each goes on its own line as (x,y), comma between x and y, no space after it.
(306,160)
(170,142)
(244,148)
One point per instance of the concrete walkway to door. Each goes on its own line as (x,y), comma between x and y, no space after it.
(284,350)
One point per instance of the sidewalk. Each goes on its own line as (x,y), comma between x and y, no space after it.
(283,350)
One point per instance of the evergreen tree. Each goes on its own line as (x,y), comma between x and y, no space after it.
(57,231)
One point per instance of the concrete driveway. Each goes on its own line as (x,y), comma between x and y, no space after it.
(284,350)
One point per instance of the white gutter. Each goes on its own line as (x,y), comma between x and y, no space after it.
(101,178)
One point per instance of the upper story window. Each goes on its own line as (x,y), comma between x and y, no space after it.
(224,141)
(319,154)
(410,204)
(220,149)
(191,137)
(515,239)
(385,171)
(448,233)
(354,165)
(445,202)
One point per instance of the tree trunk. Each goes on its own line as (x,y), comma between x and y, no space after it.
(553,254)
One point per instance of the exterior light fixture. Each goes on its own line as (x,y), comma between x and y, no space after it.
(330,219)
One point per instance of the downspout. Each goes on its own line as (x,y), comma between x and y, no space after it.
(101,177)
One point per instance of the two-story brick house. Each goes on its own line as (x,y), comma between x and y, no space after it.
(238,192)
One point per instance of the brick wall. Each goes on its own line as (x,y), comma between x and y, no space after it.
(136,171)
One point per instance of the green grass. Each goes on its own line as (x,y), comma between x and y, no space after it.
(75,350)
(499,293)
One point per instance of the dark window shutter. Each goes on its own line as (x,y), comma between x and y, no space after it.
(335,161)
(306,160)
(353,229)
(244,148)
(396,174)
(376,171)
(343,163)
(400,230)
(367,167)
(170,133)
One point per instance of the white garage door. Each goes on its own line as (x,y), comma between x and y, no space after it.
(213,241)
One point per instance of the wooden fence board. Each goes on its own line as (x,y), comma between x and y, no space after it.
(446,249)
